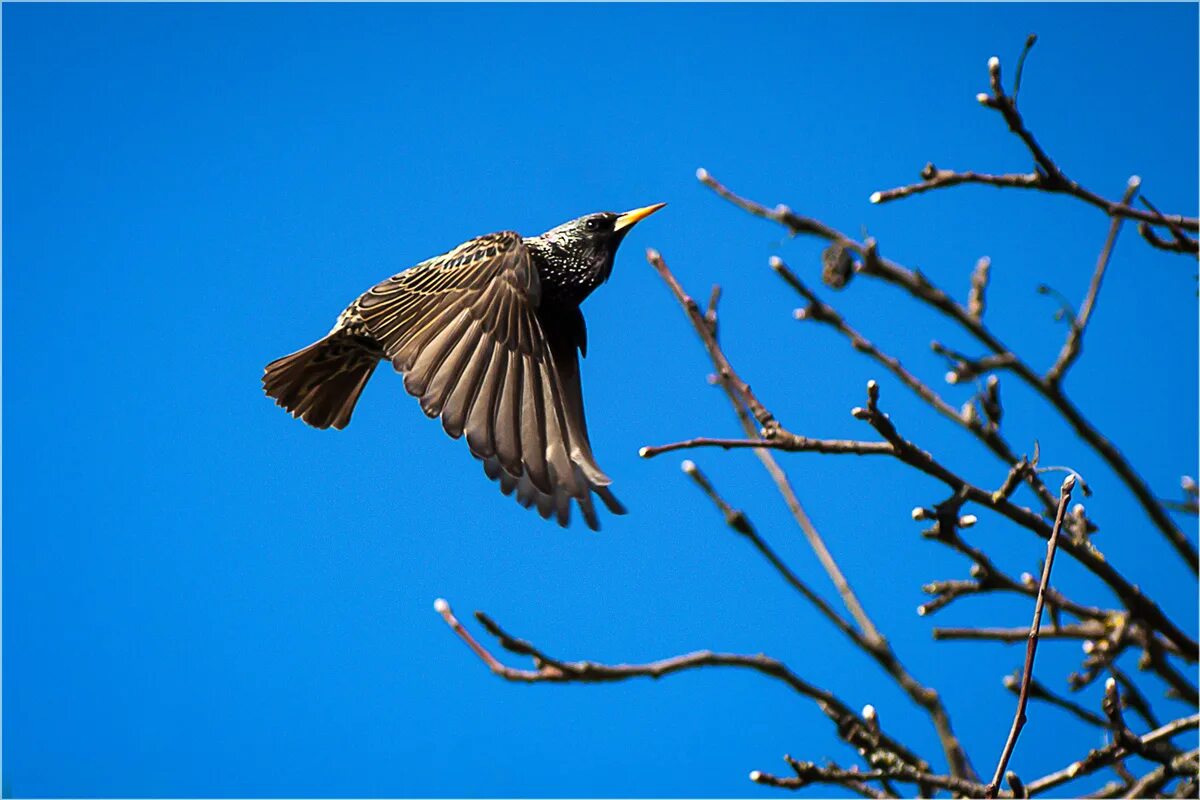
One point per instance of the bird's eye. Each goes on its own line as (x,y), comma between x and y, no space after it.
(592,224)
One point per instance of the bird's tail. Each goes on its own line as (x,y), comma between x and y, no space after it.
(321,383)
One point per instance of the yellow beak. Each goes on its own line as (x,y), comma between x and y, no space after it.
(631,218)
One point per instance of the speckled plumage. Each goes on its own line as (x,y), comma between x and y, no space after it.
(487,336)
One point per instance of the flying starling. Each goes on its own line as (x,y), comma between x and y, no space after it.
(487,337)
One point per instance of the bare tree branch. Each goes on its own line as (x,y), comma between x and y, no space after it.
(851,727)
(1047,175)
(1135,627)
(1078,322)
(877,646)
(989,434)
(1108,755)
(919,286)
(1068,486)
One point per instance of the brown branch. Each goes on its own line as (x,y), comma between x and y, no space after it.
(989,435)
(746,405)
(724,369)
(832,775)
(791,443)
(1180,243)
(917,285)
(1185,244)
(1068,486)
(933,178)
(1081,549)
(904,450)
(1134,698)
(1087,630)
(851,727)
(1073,346)
(741,396)
(740,523)
(1102,653)
(1154,657)
(1038,691)
(987,577)
(1162,752)
(1109,754)
(808,774)
(1152,782)
(1046,177)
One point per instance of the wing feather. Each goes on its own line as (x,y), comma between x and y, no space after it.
(476,347)
(438,348)
(535,437)
(450,372)
(462,398)
(507,428)
(480,422)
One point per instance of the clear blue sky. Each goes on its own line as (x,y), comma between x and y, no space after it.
(204,597)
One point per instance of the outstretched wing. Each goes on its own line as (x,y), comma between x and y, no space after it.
(477,349)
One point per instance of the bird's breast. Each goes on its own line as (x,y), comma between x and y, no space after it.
(568,280)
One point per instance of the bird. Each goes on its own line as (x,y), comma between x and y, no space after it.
(488,337)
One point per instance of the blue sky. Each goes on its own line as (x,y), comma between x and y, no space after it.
(203,597)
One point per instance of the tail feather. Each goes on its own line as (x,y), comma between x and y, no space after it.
(321,383)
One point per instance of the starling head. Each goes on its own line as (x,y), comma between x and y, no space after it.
(578,255)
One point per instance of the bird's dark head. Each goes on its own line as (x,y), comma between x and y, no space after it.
(597,235)
(582,250)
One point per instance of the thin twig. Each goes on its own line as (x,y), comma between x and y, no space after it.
(920,287)
(793,444)
(1110,754)
(737,520)
(1047,177)
(851,727)
(1068,486)
(820,312)
(1153,781)
(808,774)
(1079,322)
(747,406)
(1038,691)
(1081,631)
(880,649)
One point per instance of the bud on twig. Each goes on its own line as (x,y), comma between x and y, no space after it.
(871,717)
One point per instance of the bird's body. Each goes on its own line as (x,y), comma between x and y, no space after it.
(487,336)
